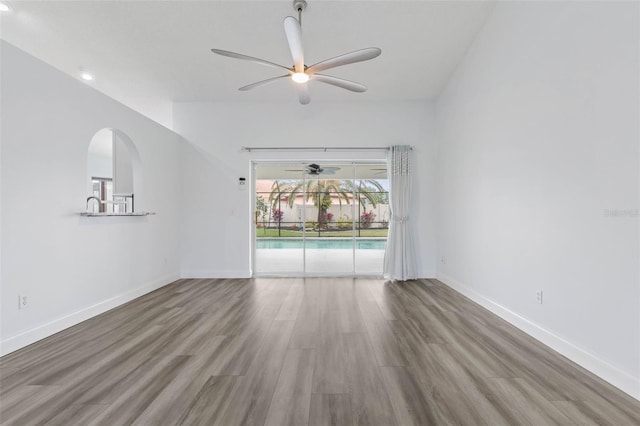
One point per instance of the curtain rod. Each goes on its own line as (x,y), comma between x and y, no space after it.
(315,148)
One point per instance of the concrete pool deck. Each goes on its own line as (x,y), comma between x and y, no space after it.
(332,262)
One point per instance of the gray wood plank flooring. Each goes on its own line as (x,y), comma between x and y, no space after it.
(315,351)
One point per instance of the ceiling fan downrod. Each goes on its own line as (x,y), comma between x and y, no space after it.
(299,6)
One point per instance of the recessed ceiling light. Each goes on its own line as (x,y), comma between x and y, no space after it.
(4,8)
(86,76)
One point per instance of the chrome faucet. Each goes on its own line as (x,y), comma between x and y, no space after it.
(93,197)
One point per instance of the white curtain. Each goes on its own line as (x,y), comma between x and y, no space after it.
(399,256)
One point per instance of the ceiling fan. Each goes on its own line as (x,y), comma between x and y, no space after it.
(301,73)
(315,170)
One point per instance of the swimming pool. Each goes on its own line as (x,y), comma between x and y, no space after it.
(321,243)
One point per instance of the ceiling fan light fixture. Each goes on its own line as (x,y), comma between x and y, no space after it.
(300,77)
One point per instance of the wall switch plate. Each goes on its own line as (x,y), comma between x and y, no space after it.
(539,296)
(23,302)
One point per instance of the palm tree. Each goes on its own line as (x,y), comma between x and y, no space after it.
(368,190)
(322,192)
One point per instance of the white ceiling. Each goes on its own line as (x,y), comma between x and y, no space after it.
(151,53)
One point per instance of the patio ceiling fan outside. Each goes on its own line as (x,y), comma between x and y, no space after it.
(315,170)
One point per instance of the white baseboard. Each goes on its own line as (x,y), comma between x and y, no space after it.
(34,334)
(618,378)
(197,273)
(426,274)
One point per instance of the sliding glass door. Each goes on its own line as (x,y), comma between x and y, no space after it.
(328,248)
(371,217)
(315,219)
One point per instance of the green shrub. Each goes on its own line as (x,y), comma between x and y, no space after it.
(344,222)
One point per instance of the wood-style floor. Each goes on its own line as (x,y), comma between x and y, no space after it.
(301,351)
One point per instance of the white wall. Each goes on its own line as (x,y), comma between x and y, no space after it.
(100,156)
(218,220)
(538,133)
(98,166)
(73,267)
(123,166)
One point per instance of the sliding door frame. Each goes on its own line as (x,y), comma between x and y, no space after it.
(304,236)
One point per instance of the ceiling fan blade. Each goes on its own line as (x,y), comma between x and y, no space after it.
(303,93)
(294,37)
(261,83)
(347,58)
(340,82)
(249,58)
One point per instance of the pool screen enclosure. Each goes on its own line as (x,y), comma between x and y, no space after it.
(319,218)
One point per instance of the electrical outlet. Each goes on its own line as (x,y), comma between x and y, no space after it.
(23,302)
(539,296)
